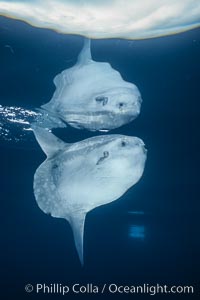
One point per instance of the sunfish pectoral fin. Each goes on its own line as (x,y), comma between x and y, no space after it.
(77,223)
(49,143)
(85,54)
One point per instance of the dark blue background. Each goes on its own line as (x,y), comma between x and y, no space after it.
(37,248)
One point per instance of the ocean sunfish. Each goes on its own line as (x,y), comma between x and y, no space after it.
(76,178)
(94,96)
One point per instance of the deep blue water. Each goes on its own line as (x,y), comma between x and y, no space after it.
(160,244)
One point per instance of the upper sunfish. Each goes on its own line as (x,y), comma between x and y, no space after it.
(76,178)
(92,95)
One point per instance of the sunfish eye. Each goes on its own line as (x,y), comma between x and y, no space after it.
(101,159)
(55,166)
(106,154)
(123,143)
(101,99)
(121,104)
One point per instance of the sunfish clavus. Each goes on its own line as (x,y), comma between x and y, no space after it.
(76,178)
(94,96)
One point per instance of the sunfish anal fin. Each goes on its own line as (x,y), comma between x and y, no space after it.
(77,223)
(85,54)
(49,143)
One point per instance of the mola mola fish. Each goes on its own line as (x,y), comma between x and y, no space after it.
(94,96)
(90,95)
(76,178)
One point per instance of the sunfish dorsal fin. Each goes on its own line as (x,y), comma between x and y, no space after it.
(49,143)
(85,54)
